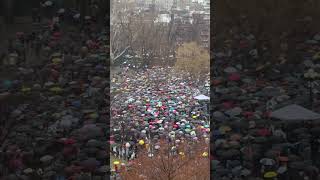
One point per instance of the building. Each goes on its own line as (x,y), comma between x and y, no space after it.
(202,22)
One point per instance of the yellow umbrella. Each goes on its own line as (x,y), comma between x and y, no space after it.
(270,174)
(141,142)
(25,89)
(205,154)
(56,60)
(56,54)
(181,153)
(225,128)
(316,56)
(93,115)
(56,89)
(194,116)
(116,162)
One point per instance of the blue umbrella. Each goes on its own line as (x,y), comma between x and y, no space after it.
(7,83)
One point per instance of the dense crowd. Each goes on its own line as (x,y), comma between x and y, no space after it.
(154,104)
(53,85)
(250,140)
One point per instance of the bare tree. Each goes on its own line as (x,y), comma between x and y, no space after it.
(171,165)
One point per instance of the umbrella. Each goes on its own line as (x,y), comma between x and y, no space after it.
(60,11)
(230,153)
(222,171)
(297,165)
(245,172)
(225,128)
(90,163)
(294,112)
(56,89)
(205,154)
(202,97)
(283,159)
(270,174)
(56,60)
(48,3)
(315,130)
(282,169)
(230,70)
(76,16)
(141,142)
(267,161)
(215,163)
(234,77)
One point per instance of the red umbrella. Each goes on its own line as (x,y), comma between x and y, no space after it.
(19,34)
(73,169)
(267,114)
(216,82)
(228,104)
(69,141)
(57,34)
(234,77)
(248,114)
(15,163)
(69,151)
(283,159)
(243,44)
(263,132)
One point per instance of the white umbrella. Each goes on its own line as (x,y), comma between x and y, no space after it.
(48,3)
(282,169)
(294,112)
(267,161)
(202,97)
(76,16)
(61,11)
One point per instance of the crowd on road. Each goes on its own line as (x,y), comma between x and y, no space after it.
(53,110)
(264,114)
(154,104)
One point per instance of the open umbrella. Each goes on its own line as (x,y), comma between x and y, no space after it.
(90,164)
(270,174)
(229,153)
(48,3)
(282,169)
(202,97)
(298,165)
(267,161)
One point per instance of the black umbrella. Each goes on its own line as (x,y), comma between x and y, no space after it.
(297,165)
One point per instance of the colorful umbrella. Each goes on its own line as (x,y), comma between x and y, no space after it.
(270,174)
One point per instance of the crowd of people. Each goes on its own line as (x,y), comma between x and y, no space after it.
(53,110)
(249,87)
(154,104)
